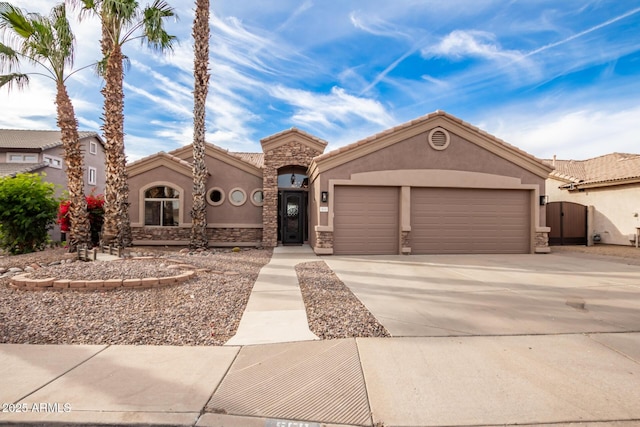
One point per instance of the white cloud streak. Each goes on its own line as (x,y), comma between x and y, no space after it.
(328,110)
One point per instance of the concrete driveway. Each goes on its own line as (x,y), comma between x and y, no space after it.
(467,295)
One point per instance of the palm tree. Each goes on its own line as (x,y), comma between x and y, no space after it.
(122,21)
(48,44)
(201,86)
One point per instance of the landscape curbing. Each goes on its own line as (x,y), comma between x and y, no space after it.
(23,282)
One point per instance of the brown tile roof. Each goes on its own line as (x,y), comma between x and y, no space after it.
(161,154)
(603,169)
(256,159)
(35,139)
(12,169)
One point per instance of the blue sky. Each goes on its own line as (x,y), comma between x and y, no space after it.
(551,77)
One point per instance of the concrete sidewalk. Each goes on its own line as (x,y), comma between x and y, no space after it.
(558,379)
(275,311)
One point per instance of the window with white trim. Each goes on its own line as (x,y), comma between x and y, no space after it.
(215,196)
(93,147)
(52,161)
(22,158)
(162,206)
(257,197)
(92,177)
(237,197)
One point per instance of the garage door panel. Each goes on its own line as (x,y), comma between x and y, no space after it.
(365,220)
(447,220)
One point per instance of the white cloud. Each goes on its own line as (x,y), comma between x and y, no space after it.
(329,110)
(308,4)
(472,43)
(570,134)
(376,26)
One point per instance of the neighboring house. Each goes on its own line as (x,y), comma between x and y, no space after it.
(432,185)
(610,184)
(40,151)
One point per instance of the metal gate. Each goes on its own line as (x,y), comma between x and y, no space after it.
(568,223)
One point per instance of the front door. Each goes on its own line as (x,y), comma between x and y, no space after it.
(292,215)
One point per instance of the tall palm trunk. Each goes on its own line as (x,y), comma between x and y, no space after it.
(116,228)
(201,83)
(80,229)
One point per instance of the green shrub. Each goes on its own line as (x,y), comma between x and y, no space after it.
(27,210)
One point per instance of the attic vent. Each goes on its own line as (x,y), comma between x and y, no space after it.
(439,139)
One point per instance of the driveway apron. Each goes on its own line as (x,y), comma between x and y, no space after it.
(442,295)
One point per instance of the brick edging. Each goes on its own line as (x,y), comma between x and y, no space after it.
(23,282)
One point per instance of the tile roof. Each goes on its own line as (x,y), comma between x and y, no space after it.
(12,169)
(161,154)
(256,159)
(603,169)
(38,139)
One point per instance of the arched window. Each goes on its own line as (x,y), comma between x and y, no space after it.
(162,206)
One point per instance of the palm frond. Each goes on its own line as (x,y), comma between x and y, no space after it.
(153,23)
(18,79)
(64,35)
(9,58)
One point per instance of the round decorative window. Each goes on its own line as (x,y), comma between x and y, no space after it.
(237,197)
(257,197)
(439,139)
(215,196)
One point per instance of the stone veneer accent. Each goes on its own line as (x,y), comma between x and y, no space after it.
(181,234)
(23,282)
(405,242)
(542,242)
(293,152)
(324,239)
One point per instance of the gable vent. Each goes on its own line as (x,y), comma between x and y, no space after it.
(439,139)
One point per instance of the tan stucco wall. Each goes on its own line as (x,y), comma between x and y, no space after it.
(223,176)
(614,209)
(416,154)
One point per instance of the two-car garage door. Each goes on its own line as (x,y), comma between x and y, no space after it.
(443,220)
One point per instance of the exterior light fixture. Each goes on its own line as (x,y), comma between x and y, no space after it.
(324,196)
(293,179)
(544,200)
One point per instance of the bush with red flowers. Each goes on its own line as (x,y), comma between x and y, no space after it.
(95,207)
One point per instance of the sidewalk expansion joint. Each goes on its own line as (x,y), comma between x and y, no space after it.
(63,374)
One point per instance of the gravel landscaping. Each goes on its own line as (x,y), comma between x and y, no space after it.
(333,310)
(206,310)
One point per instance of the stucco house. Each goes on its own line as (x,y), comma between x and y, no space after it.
(609,186)
(432,185)
(40,151)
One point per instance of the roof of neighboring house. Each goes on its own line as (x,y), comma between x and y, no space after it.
(36,139)
(610,169)
(12,169)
